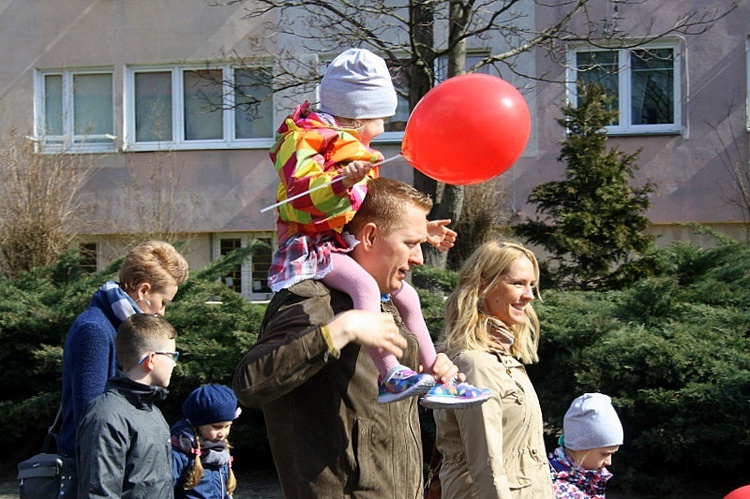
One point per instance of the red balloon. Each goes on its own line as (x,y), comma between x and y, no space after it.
(741,493)
(467,129)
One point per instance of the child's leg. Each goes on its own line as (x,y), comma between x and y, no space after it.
(406,300)
(348,276)
(451,395)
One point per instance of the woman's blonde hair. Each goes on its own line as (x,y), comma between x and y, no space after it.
(195,473)
(465,323)
(155,262)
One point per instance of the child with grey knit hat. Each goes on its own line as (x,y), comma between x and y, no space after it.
(324,161)
(592,433)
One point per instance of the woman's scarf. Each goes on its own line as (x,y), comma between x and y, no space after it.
(121,304)
(501,336)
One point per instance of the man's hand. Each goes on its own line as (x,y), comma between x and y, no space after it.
(354,172)
(369,329)
(439,235)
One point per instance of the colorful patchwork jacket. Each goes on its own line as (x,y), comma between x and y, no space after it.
(310,150)
(573,482)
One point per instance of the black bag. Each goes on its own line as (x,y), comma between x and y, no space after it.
(48,475)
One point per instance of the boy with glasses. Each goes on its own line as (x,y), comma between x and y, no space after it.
(122,444)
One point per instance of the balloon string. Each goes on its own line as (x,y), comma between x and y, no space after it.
(317,187)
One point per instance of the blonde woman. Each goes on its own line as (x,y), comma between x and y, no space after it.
(495,450)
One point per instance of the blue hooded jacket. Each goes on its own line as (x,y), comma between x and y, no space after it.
(213,484)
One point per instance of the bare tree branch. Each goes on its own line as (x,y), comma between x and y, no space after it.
(734,155)
(41,211)
(411,35)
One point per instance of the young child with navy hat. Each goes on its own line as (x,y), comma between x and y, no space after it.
(328,150)
(201,461)
(592,433)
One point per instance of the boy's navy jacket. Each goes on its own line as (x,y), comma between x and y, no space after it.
(215,463)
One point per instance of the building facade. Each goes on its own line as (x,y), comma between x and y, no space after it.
(170,100)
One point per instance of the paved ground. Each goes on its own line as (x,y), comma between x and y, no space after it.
(256,485)
(8,489)
(250,485)
(262,485)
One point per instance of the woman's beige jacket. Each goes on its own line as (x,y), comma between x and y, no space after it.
(495,450)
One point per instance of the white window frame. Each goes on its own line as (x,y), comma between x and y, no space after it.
(625,126)
(68,142)
(178,142)
(246,270)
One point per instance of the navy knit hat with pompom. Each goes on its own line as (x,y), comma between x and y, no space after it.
(210,404)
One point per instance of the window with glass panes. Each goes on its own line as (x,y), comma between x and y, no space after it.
(261,259)
(643,84)
(75,110)
(233,279)
(88,257)
(250,278)
(191,108)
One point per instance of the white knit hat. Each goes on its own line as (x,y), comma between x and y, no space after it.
(592,423)
(357,85)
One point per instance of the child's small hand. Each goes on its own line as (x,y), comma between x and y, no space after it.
(439,235)
(444,370)
(354,172)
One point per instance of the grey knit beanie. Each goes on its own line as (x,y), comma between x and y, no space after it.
(592,423)
(357,85)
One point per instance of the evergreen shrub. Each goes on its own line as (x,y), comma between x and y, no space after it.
(673,351)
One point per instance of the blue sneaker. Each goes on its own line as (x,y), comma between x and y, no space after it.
(401,382)
(455,395)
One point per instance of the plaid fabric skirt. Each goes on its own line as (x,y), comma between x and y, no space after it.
(305,256)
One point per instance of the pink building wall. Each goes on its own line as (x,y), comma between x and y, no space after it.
(690,170)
